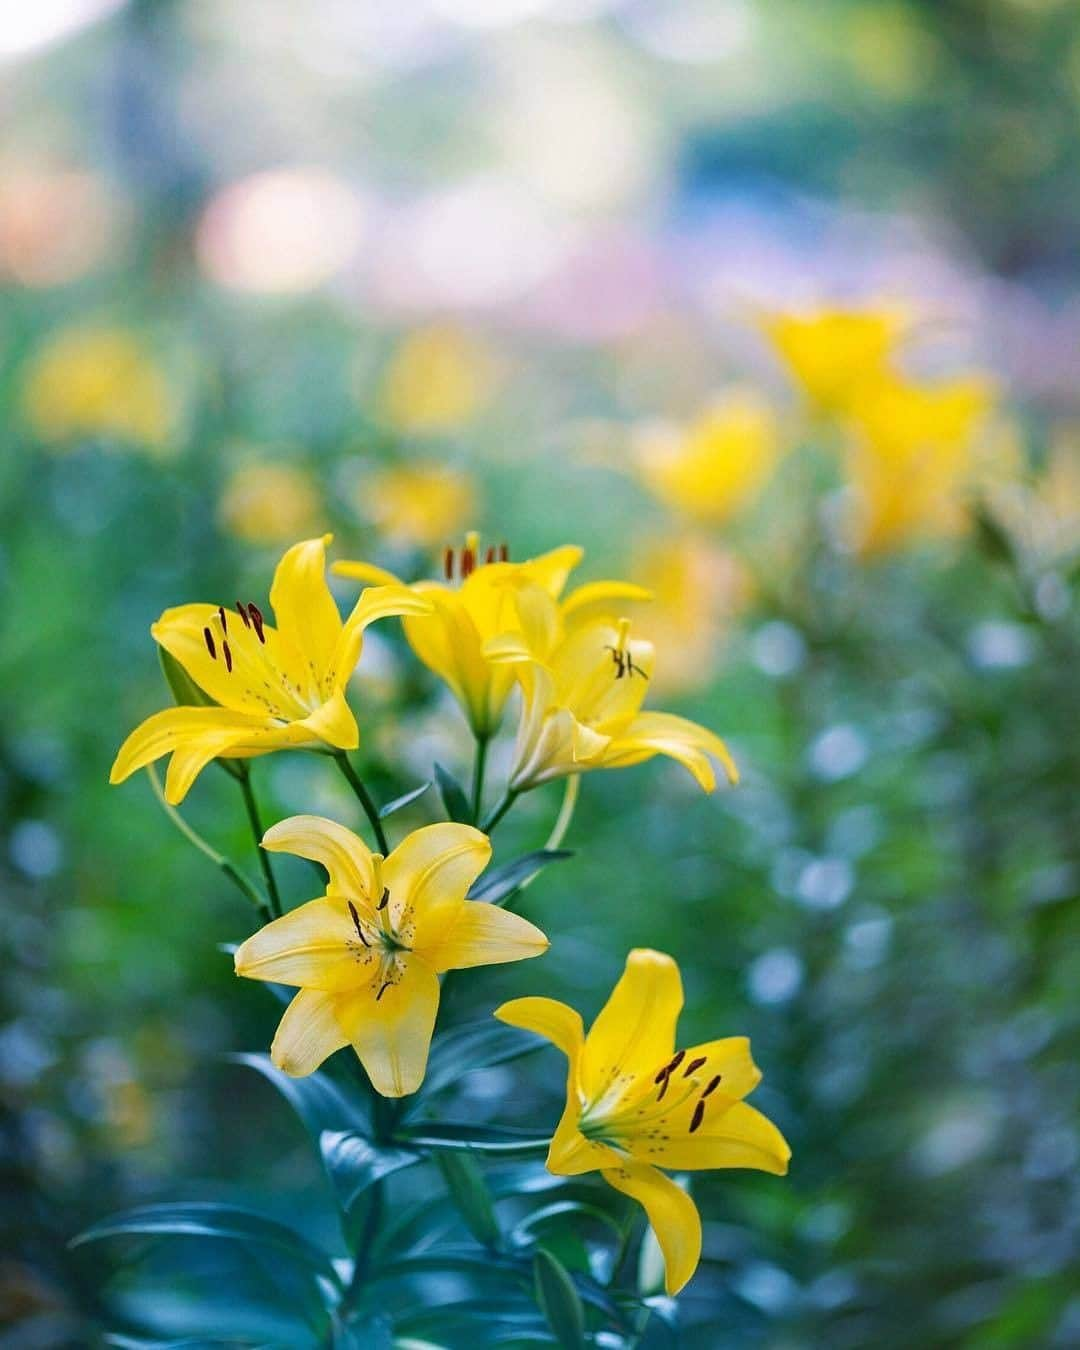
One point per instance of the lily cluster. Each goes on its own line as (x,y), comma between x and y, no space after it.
(367,954)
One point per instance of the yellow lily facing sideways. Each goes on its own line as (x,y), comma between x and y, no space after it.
(834,354)
(635,1103)
(477,602)
(268,688)
(367,955)
(583,683)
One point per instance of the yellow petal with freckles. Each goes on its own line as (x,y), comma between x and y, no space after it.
(483,935)
(556,1022)
(334,723)
(392,1035)
(376,602)
(659,733)
(308,1033)
(345,856)
(303,606)
(165,731)
(634,1032)
(736,1137)
(315,945)
(429,874)
(368,573)
(673,1215)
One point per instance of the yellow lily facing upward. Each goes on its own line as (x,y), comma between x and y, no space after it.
(583,684)
(367,955)
(635,1103)
(267,688)
(475,603)
(834,354)
(715,466)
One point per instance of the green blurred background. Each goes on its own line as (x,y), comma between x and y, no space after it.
(395,271)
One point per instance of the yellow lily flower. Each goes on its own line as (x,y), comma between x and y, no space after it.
(833,354)
(367,955)
(583,684)
(634,1103)
(478,601)
(418,504)
(440,378)
(912,457)
(715,466)
(270,503)
(267,688)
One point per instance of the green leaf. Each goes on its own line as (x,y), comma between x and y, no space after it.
(497,885)
(991,537)
(354,1164)
(453,795)
(320,1101)
(476,1045)
(369,1333)
(208,1219)
(468,1189)
(477,1138)
(564,1209)
(184,689)
(558,1300)
(406,799)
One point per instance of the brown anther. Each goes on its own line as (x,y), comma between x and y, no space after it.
(679,1057)
(663,1087)
(448,564)
(489,556)
(714,1083)
(504,553)
(243,614)
(692,1066)
(386,985)
(384,899)
(221,616)
(356,923)
(698,1116)
(210,643)
(227,655)
(468,562)
(257,621)
(662,1074)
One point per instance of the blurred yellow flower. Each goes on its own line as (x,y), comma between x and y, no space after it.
(439,379)
(913,454)
(368,954)
(833,354)
(1042,514)
(98,382)
(635,1103)
(476,602)
(717,464)
(697,588)
(266,688)
(422,504)
(583,681)
(269,503)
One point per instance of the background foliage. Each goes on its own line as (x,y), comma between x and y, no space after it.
(498,240)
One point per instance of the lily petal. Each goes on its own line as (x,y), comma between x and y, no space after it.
(368,573)
(315,945)
(674,1217)
(345,856)
(598,592)
(376,602)
(634,1033)
(428,875)
(334,723)
(737,1137)
(307,1034)
(660,733)
(306,613)
(212,730)
(556,1022)
(551,570)
(392,1035)
(484,935)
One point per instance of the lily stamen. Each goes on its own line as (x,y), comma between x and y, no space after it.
(698,1116)
(384,900)
(714,1083)
(694,1065)
(209,637)
(356,924)
(227,655)
(221,616)
(243,614)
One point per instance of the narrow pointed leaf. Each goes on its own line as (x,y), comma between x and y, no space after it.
(453,796)
(320,1101)
(477,1045)
(468,1189)
(497,885)
(183,688)
(559,1301)
(488,1139)
(406,799)
(354,1163)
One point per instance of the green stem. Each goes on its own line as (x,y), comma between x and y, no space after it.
(479,765)
(509,798)
(370,809)
(218,859)
(508,1148)
(566,812)
(258,832)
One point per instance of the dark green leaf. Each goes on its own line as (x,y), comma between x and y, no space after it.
(320,1101)
(354,1163)
(558,1300)
(564,1209)
(373,1333)
(209,1219)
(477,1045)
(497,885)
(406,799)
(478,1138)
(453,795)
(468,1189)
